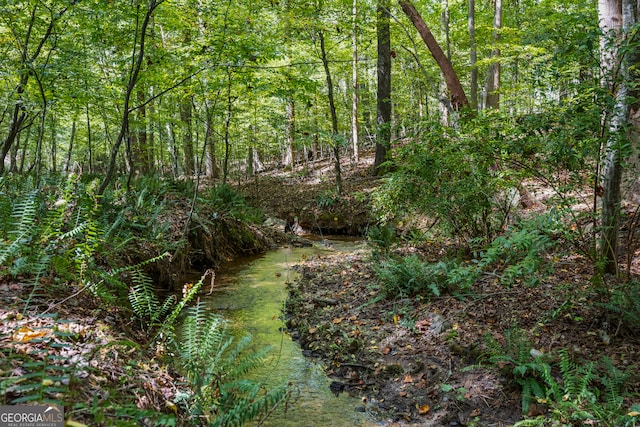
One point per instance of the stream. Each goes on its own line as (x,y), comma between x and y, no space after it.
(251,293)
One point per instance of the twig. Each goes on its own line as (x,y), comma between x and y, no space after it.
(66,299)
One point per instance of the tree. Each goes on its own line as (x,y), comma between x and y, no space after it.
(473,55)
(456,92)
(354,83)
(493,77)
(137,57)
(383,130)
(32,47)
(334,117)
(617,18)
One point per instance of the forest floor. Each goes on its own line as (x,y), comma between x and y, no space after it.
(426,362)
(413,362)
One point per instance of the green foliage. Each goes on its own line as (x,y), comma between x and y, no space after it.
(227,201)
(52,227)
(143,296)
(327,199)
(381,238)
(216,364)
(578,394)
(136,214)
(450,175)
(623,304)
(410,276)
(519,253)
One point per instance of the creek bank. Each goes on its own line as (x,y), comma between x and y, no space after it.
(311,197)
(97,357)
(417,362)
(377,349)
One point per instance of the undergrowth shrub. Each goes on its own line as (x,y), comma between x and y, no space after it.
(381,238)
(623,305)
(517,256)
(51,230)
(452,175)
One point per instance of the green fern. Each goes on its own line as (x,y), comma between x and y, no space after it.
(21,234)
(216,366)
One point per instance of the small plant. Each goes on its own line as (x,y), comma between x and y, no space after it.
(327,199)
(624,303)
(228,201)
(410,276)
(577,394)
(381,238)
(216,364)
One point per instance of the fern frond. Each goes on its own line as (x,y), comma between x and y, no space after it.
(24,213)
(144,300)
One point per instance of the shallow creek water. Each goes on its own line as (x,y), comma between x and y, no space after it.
(251,293)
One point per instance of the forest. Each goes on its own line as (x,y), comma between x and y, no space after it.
(483,155)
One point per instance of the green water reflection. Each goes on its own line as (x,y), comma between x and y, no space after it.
(252,295)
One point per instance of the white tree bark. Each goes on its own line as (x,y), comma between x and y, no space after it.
(493,78)
(617,17)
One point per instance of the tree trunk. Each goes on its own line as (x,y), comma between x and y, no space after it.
(445,27)
(616,17)
(473,55)
(456,92)
(89,139)
(187,136)
(290,132)
(72,139)
(211,168)
(227,128)
(493,77)
(354,84)
(138,56)
(383,130)
(334,117)
(173,150)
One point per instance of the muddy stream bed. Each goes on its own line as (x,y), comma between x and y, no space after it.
(251,293)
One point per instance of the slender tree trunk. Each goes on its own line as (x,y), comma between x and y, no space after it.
(227,126)
(473,55)
(89,139)
(173,150)
(617,17)
(72,139)
(334,117)
(41,130)
(445,27)
(354,84)
(187,136)
(383,130)
(137,56)
(211,167)
(141,150)
(290,132)
(456,92)
(493,77)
